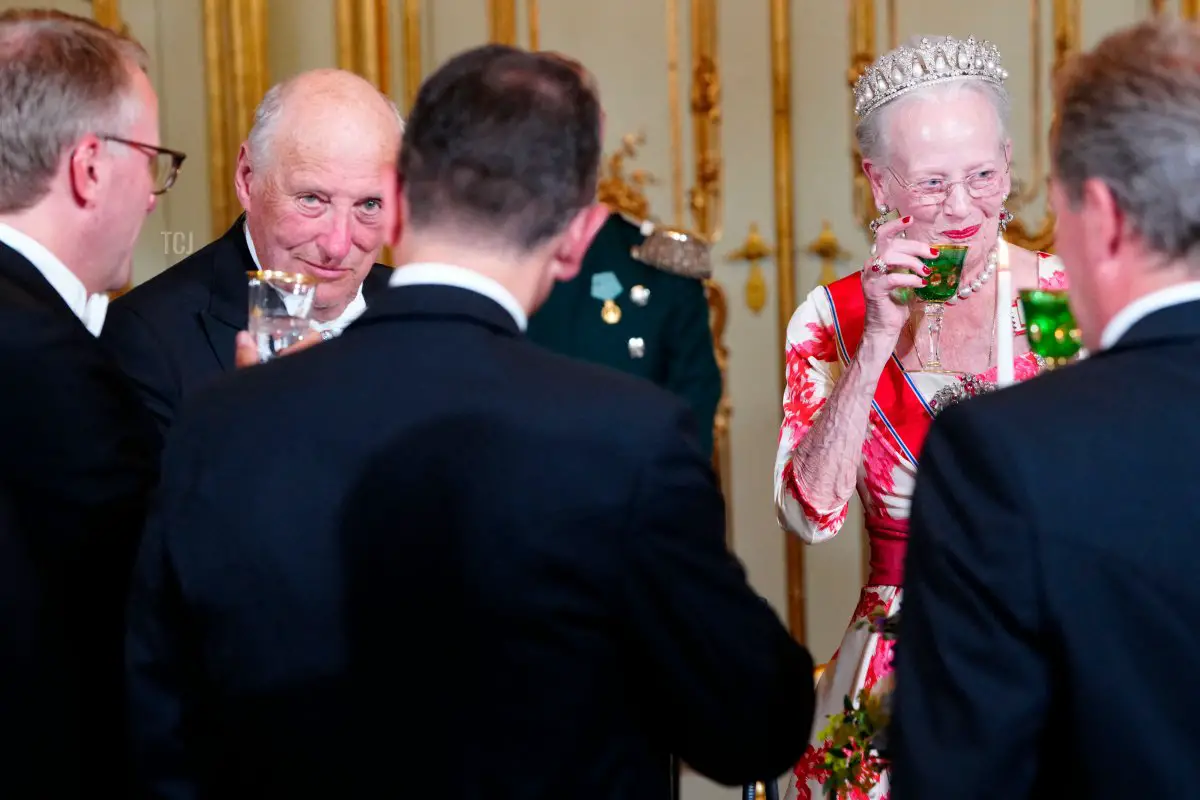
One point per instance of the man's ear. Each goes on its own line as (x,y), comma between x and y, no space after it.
(1107,232)
(85,168)
(242,176)
(577,239)
(399,217)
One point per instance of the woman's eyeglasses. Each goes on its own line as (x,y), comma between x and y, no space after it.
(935,191)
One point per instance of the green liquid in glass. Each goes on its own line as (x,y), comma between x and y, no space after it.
(947,268)
(1049,324)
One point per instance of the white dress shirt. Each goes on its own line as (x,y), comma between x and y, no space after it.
(91,310)
(462,278)
(331,327)
(1144,306)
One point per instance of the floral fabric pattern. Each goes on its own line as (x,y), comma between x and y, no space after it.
(886,478)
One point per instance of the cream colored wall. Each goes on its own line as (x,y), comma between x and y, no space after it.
(623,42)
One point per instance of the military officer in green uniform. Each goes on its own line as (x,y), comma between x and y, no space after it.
(640,310)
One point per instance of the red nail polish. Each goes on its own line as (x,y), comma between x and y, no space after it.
(929,270)
(933,251)
(906,220)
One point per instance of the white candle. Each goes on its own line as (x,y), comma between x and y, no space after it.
(1004,331)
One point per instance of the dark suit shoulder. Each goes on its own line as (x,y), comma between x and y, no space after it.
(585,401)
(186,286)
(600,387)
(1053,404)
(1064,440)
(376,281)
(29,335)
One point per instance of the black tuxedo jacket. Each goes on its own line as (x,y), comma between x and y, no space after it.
(175,333)
(1049,626)
(80,455)
(462,566)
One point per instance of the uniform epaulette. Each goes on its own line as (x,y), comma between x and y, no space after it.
(674,251)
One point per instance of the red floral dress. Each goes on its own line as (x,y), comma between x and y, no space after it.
(821,340)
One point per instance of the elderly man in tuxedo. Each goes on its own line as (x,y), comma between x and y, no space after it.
(482,569)
(314,176)
(1049,625)
(80,168)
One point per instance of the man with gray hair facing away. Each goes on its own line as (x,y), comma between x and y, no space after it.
(315,177)
(1051,586)
(80,169)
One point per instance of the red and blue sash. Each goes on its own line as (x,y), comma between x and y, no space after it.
(897,403)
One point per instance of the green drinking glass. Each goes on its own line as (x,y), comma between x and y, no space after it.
(1050,326)
(941,285)
(947,268)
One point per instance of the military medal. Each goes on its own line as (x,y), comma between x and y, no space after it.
(637,347)
(607,288)
(610,312)
(640,295)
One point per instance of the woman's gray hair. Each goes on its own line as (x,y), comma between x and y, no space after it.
(872,131)
(261,139)
(61,78)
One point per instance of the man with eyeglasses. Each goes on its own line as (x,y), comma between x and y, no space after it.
(78,125)
(312,177)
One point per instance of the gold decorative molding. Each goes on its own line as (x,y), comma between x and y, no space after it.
(533,16)
(752,252)
(502,21)
(1189,9)
(108,14)
(706,196)
(675,103)
(862,54)
(785,252)
(410,30)
(625,192)
(1067,25)
(718,318)
(236,78)
(829,250)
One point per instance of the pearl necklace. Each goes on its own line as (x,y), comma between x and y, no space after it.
(974,286)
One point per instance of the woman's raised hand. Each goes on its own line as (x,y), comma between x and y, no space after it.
(889,277)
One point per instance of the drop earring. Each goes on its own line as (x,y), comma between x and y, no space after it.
(1006,217)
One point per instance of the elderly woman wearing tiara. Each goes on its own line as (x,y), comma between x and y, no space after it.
(864,376)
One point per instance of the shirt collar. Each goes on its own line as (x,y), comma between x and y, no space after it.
(1144,306)
(462,278)
(91,310)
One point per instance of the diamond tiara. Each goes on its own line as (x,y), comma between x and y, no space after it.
(907,68)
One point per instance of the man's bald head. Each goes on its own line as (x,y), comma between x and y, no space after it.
(314,104)
(317,179)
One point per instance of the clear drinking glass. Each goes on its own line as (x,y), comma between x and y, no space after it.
(280,305)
